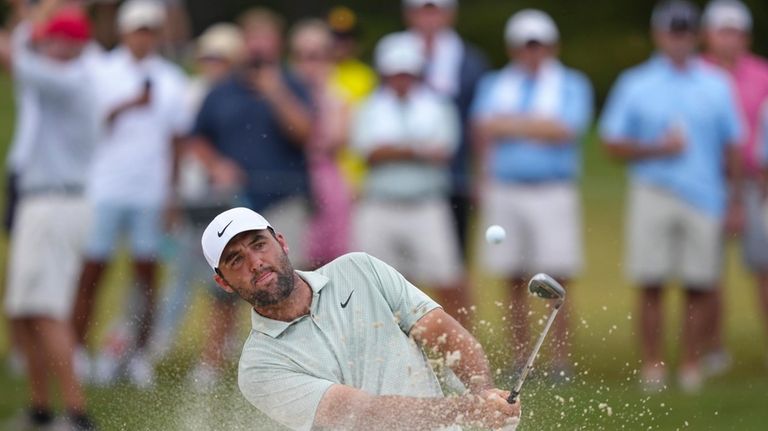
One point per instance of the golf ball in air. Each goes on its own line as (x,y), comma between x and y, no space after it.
(495,234)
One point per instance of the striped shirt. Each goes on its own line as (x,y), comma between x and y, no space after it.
(356,334)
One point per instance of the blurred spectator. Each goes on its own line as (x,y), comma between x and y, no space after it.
(311,45)
(408,134)
(219,51)
(173,36)
(453,69)
(727,28)
(675,120)
(352,79)
(530,117)
(252,129)
(130,181)
(52,217)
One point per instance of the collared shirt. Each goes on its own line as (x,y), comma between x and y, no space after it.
(356,334)
(750,78)
(421,120)
(656,98)
(528,160)
(243,126)
(133,161)
(56,127)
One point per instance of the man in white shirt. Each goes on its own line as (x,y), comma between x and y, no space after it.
(52,215)
(141,96)
(408,134)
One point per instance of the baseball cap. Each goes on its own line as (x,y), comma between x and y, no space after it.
(222,40)
(137,14)
(224,227)
(530,25)
(675,16)
(444,4)
(720,14)
(398,53)
(343,22)
(68,23)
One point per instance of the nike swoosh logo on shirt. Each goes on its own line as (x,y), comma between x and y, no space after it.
(344,304)
(225,228)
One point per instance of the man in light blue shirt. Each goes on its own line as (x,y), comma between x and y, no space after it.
(530,116)
(674,119)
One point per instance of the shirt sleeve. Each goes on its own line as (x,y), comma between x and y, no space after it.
(480,107)
(361,136)
(732,127)
(37,71)
(182,117)
(448,133)
(287,396)
(615,120)
(407,302)
(579,102)
(205,123)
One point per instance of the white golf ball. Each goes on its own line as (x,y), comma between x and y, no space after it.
(495,234)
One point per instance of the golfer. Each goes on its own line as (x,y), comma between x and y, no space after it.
(341,347)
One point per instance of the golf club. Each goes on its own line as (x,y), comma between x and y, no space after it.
(545,287)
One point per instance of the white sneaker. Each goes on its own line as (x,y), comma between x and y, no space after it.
(690,380)
(82,364)
(653,378)
(716,363)
(16,363)
(140,371)
(204,378)
(105,369)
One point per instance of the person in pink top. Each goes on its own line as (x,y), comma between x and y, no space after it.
(727,30)
(311,44)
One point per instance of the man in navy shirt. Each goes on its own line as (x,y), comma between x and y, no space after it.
(252,127)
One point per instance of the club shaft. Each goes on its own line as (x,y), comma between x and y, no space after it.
(529,364)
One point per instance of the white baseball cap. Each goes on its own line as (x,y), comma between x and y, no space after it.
(530,25)
(398,53)
(137,14)
(221,40)
(443,4)
(720,14)
(224,227)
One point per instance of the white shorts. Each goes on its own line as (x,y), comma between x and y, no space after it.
(416,238)
(543,224)
(46,255)
(669,238)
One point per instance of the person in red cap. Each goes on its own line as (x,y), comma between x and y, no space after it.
(50,65)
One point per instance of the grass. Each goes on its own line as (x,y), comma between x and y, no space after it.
(602,396)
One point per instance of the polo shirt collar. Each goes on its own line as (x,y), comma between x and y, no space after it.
(662,61)
(273,328)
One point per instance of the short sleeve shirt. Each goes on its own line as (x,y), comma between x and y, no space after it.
(243,127)
(517,160)
(356,334)
(656,98)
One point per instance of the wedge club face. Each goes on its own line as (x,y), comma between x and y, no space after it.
(546,287)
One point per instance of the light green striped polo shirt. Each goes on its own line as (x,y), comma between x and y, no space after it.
(356,334)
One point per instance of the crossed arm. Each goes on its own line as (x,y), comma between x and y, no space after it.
(344,407)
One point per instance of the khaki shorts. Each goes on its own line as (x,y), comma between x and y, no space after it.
(417,238)
(543,224)
(668,238)
(290,217)
(46,256)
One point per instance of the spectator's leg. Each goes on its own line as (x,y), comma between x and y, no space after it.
(518,288)
(651,325)
(145,271)
(58,343)
(37,371)
(90,277)
(562,330)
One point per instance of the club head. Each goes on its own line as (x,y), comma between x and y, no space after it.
(546,287)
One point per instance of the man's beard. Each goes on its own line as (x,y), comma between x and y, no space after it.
(284,284)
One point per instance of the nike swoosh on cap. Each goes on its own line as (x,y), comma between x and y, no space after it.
(225,228)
